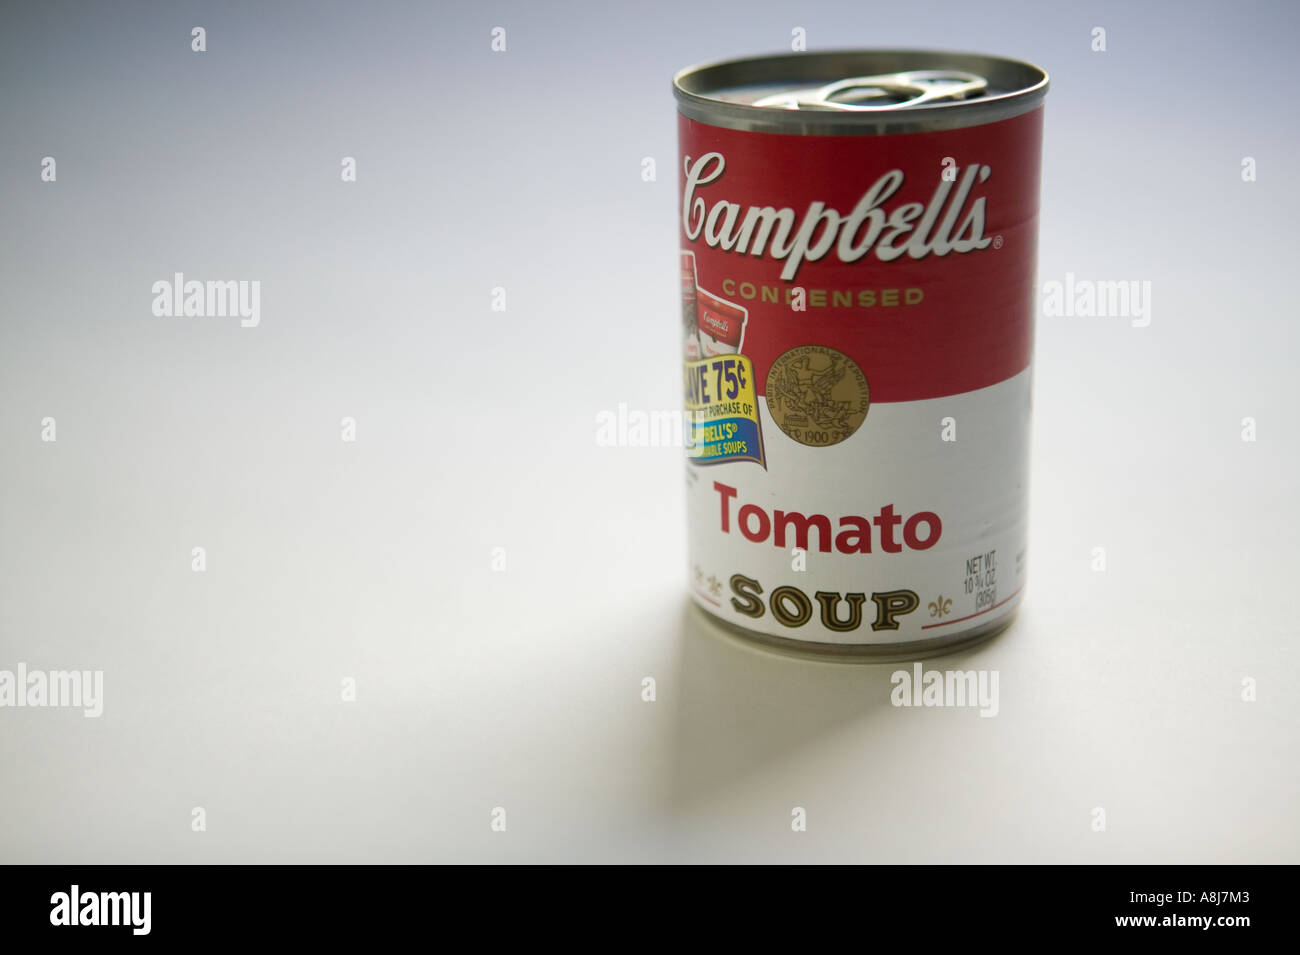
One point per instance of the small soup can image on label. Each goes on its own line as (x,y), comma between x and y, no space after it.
(858,242)
(721,325)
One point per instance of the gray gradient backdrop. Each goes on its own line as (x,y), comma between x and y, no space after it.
(476,430)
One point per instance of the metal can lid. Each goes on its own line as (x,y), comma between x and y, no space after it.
(859,91)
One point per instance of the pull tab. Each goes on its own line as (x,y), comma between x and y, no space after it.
(886,91)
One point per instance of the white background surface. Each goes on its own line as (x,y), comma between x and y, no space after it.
(521,689)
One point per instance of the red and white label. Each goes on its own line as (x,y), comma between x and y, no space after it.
(914,256)
(721,324)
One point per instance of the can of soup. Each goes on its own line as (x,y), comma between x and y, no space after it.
(721,324)
(861,232)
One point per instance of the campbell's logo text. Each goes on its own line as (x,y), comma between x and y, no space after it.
(952,221)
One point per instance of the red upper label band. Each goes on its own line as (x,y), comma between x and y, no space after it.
(913,254)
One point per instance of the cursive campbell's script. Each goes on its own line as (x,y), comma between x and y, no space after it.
(910,229)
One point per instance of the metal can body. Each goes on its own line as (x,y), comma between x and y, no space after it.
(861,228)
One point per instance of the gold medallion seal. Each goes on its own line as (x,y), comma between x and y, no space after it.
(817,395)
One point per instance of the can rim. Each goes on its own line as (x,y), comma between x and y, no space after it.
(932,116)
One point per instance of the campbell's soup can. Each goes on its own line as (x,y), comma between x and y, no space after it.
(861,232)
(721,325)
